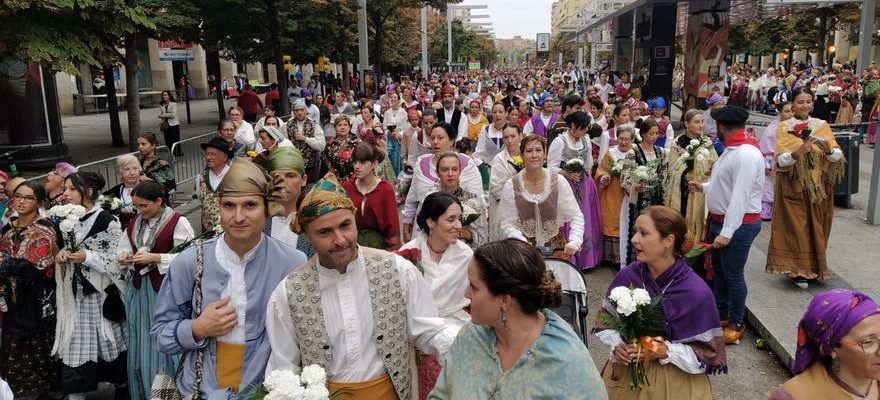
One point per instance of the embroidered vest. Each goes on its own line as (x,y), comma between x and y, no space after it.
(537,221)
(389,317)
(163,243)
(584,154)
(210,204)
(310,155)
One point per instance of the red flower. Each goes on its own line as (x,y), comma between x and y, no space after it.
(799,129)
(412,254)
(802,337)
(345,154)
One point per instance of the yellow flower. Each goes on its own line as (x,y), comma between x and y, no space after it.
(518,160)
(251,153)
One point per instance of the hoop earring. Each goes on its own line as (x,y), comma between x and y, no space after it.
(504,318)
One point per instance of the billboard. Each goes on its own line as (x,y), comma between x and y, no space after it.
(474,65)
(175,50)
(542,44)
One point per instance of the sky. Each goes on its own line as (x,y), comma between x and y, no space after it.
(515,17)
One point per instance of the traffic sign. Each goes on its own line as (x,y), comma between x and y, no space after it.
(175,50)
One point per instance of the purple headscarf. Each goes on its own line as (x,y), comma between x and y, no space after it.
(829,317)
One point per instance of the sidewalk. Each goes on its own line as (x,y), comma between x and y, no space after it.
(88,136)
(775,305)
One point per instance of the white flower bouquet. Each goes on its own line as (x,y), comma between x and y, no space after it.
(66,216)
(111,204)
(575,165)
(310,384)
(697,149)
(616,168)
(637,317)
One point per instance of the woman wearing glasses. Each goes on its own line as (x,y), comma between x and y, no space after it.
(28,325)
(838,353)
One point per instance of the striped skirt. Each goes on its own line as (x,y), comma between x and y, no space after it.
(144,359)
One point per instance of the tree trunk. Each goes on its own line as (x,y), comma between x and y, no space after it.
(132,98)
(113,107)
(346,75)
(821,40)
(212,60)
(278,54)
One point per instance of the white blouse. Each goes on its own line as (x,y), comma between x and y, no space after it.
(567,209)
(447,279)
(348,318)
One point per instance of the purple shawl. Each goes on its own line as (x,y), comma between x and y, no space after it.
(829,317)
(538,126)
(688,307)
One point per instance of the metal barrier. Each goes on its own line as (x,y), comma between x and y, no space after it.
(190,162)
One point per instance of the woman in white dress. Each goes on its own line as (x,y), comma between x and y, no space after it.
(504,166)
(490,141)
(443,260)
(543,201)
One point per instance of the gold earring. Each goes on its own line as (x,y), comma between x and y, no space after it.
(504,318)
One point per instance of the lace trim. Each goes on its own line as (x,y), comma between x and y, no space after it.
(548,228)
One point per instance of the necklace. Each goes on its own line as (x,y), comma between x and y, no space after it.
(433,250)
(849,389)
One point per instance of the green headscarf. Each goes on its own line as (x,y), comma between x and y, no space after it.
(286,158)
(326,196)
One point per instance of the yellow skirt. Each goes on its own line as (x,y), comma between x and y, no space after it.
(380,388)
(664,382)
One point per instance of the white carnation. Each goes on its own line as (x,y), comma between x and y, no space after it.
(278,377)
(290,389)
(626,306)
(66,226)
(313,375)
(57,211)
(77,210)
(71,218)
(700,157)
(618,293)
(695,142)
(641,297)
(704,152)
(316,392)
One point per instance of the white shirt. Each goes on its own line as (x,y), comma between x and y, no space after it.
(604,91)
(567,209)
(396,118)
(447,278)
(462,123)
(736,186)
(236,288)
(314,114)
(183,231)
(245,134)
(348,319)
(213,179)
(281,229)
(318,142)
(554,154)
(484,143)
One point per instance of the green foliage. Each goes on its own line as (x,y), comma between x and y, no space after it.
(62,34)
(465,45)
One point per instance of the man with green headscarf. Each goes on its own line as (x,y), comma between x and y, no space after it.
(239,270)
(353,310)
(287,163)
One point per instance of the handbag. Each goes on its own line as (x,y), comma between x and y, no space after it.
(164,125)
(165,386)
(113,308)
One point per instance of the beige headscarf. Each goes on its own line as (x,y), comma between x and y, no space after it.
(245,178)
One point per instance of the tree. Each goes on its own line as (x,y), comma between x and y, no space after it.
(63,34)
(380,11)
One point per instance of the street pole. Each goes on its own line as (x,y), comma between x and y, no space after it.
(186,85)
(425,42)
(449,38)
(866,33)
(363,51)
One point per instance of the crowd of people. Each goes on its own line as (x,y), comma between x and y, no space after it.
(399,243)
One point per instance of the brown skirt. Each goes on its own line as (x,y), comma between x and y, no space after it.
(612,248)
(799,252)
(664,382)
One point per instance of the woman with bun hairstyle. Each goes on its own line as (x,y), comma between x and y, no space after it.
(90,337)
(515,346)
(692,346)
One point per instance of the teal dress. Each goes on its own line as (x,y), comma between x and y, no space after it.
(557,366)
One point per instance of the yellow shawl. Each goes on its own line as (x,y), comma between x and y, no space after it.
(812,178)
